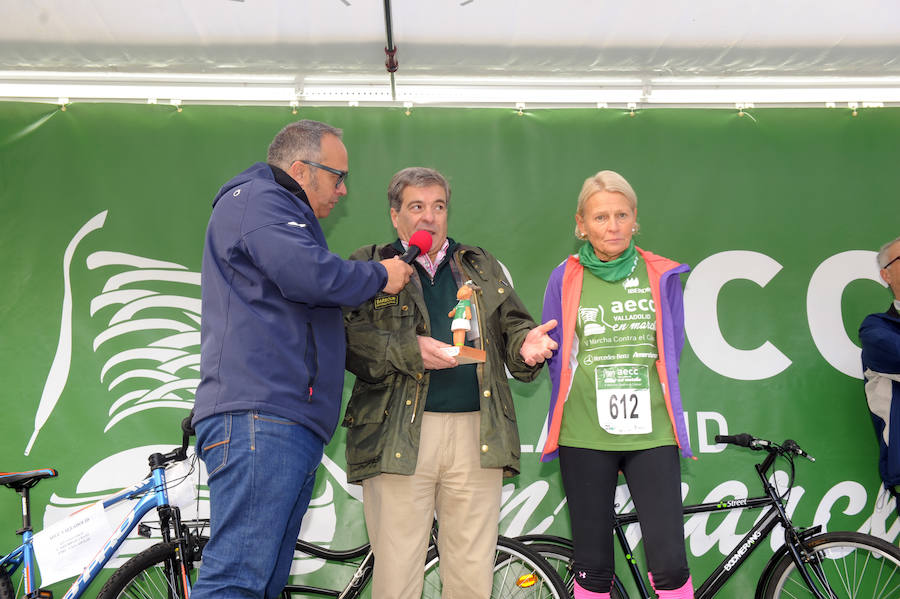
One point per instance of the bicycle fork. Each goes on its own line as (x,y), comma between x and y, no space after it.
(796,543)
(177,571)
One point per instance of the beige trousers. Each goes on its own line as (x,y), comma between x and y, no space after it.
(449,480)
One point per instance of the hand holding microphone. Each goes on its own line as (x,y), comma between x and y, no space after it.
(398,268)
(419,243)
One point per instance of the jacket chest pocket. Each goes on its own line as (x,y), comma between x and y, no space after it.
(391,312)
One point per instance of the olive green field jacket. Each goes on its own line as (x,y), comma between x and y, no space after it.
(384,414)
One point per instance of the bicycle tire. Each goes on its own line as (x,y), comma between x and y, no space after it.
(6,587)
(855,565)
(144,575)
(560,558)
(519,573)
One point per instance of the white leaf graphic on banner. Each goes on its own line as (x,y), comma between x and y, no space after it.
(59,369)
(165,369)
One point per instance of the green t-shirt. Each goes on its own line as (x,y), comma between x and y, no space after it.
(616,401)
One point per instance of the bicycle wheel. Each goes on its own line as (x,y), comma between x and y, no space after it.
(6,587)
(519,573)
(560,559)
(852,565)
(150,574)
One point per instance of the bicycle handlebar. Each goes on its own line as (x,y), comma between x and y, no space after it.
(186,427)
(179,453)
(746,440)
(791,445)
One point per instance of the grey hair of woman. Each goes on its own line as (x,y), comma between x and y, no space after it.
(605,181)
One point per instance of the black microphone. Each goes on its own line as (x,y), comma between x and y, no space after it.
(419,243)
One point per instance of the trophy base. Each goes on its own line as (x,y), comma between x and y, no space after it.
(465,354)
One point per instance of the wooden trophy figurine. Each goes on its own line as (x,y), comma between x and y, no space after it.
(462,317)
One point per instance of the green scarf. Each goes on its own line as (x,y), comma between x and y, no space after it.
(612,271)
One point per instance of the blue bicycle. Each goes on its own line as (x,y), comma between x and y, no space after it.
(167,569)
(17,568)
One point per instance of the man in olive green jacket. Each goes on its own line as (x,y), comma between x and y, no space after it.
(426,433)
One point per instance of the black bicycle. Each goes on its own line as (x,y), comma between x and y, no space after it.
(810,564)
(519,572)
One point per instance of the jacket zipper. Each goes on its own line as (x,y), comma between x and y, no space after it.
(311,339)
(419,382)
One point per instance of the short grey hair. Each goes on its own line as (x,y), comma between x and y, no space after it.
(299,141)
(605,181)
(415,176)
(883,253)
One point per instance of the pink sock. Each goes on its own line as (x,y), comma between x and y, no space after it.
(581,593)
(685,591)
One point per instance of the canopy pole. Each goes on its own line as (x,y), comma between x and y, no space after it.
(390,50)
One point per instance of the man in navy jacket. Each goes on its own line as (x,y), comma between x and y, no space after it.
(272,353)
(880,339)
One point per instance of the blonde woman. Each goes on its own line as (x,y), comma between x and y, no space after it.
(615,402)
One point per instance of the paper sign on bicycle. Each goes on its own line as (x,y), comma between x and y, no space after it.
(65,547)
(623,398)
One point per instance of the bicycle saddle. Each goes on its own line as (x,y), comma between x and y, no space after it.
(27,479)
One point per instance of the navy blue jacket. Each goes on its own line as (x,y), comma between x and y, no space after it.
(879,336)
(272,331)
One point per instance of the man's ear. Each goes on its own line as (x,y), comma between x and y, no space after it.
(394,217)
(298,172)
(885,276)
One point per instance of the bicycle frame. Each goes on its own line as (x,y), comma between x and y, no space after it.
(22,556)
(153,494)
(360,577)
(771,518)
(357,582)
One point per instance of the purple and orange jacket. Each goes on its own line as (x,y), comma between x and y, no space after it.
(561,300)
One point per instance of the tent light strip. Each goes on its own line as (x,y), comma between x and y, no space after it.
(182,89)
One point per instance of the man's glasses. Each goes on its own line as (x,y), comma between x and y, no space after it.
(341,175)
(891,262)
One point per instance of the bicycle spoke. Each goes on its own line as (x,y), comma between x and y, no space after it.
(139,590)
(841,565)
(518,574)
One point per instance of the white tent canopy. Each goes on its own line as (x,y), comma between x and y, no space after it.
(454,52)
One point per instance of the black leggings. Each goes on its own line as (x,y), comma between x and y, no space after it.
(654,479)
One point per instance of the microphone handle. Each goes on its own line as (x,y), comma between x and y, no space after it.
(411,254)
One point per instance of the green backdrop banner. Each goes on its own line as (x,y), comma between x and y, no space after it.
(779,213)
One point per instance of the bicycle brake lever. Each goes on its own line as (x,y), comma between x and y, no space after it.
(791,445)
(760,444)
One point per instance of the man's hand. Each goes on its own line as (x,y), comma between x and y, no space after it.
(432,356)
(398,274)
(538,346)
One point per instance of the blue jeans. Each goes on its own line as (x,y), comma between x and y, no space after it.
(262,469)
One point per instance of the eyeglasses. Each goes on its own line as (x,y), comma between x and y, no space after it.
(341,175)
(891,262)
